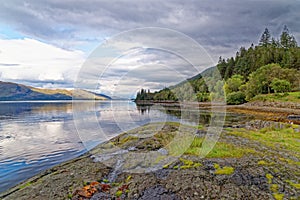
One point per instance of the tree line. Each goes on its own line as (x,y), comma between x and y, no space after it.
(271,66)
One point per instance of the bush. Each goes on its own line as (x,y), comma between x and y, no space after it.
(203,96)
(236,98)
(279,85)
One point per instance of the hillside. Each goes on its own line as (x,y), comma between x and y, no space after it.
(270,67)
(18,92)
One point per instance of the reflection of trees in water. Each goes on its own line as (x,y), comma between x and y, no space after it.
(143,109)
(193,116)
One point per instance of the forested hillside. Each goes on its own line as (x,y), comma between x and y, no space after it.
(271,66)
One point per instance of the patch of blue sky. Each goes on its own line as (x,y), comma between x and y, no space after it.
(7,32)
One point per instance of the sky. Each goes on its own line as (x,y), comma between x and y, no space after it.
(48,43)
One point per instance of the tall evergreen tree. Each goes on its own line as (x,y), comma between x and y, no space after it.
(265,38)
(286,39)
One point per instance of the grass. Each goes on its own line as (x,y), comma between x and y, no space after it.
(269,177)
(220,150)
(119,193)
(279,97)
(275,138)
(25,185)
(265,163)
(274,187)
(224,171)
(187,164)
(295,185)
(123,140)
(278,196)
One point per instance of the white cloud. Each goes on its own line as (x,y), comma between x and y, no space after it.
(37,62)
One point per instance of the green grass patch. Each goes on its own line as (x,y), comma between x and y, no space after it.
(216,166)
(295,185)
(187,164)
(265,163)
(269,177)
(25,185)
(274,187)
(279,97)
(274,138)
(124,140)
(119,193)
(224,171)
(166,166)
(128,178)
(220,150)
(278,196)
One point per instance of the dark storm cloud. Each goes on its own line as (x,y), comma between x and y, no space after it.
(221,27)
(224,24)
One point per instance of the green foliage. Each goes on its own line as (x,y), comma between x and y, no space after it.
(105,181)
(278,196)
(283,51)
(279,85)
(234,83)
(265,163)
(287,40)
(274,187)
(224,171)
(295,185)
(286,97)
(236,98)
(269,177)
(186,162)
(251,72)
(203,96)
(265,38)
(216,166)
(260,81)
(220,150)
(119,193)
(25,185)
(144,95)
(279,139)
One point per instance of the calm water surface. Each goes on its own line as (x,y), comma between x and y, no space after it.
(37,135)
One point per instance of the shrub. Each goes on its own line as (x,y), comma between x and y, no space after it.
(279,85)
(236,98)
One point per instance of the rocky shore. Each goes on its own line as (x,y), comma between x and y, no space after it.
(257,160)
(265,110)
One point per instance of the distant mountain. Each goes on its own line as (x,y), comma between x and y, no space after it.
(18,92)
(206,73)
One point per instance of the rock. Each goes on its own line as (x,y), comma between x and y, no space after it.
(293,117)
(132,149)
(162,173)
(100,196)
(162,151)
(259,124)
(158,193)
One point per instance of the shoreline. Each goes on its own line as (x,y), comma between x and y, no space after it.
(88,169)
(245,158)
(262,110)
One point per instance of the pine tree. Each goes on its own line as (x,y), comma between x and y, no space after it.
(265,39)
(286,39)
